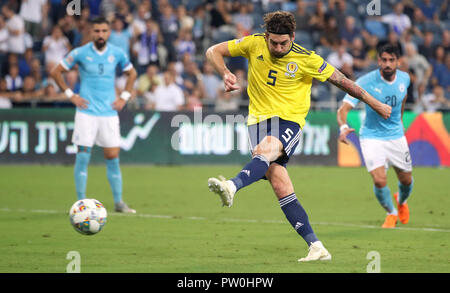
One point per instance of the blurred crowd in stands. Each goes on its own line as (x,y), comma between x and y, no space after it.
(166,41)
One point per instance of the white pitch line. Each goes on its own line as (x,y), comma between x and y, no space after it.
(424,229)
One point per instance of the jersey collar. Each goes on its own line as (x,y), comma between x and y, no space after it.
(99,52)
(387,81)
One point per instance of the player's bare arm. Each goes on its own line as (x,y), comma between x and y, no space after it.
(350,87)
(120,102)
(57,75)
(344,130)
(215,56)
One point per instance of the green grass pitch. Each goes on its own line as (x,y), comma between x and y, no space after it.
(182,228)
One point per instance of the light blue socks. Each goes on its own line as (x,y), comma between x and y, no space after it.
(115,178)
(81,171)
(384,198)
(404,191)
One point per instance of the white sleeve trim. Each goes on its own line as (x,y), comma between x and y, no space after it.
(128,67)
(63,64)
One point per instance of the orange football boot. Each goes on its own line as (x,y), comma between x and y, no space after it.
(403,210)
(390,221)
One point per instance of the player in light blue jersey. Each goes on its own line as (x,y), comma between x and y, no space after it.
(383,141)
(96,118)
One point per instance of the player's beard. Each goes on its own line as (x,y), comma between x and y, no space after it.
(388,73)
(100,44)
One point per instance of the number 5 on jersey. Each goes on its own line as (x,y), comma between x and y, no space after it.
(272,76)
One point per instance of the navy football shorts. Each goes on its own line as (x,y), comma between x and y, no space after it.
(287,132)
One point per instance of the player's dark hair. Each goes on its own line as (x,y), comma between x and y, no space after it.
(99,20)
(390,49)
(279,22)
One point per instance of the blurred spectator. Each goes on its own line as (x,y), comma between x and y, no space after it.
(398,21)
(435,100)
(167,96)
(412,98)
(349,31)
(194,100)
(4,35)
(70,30)
(330,34)
(143,13)
(5,96)
(338,9)
(427,47)
(169,29)
(184,19)
(371,47)
(34,13)
(25,63)
(119,36)
(108,8)
(13,80)
(342,60)
(317,22)
(122,9)
(428,8)
(174,68)
(11,59)
(244,18)
(419,22)
(220,14)
(16,30)
(446,41)
(184,44)
(201,27)
(148,47)
(57,10)
(94,7)
(361,60)
(147,80)
(211,81)
(36,71)
(421,66)
(192,79)
(392,39)
(442,75)
(29,90)
(302,16)
(55,46)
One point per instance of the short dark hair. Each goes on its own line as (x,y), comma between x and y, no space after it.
(279,22)
(99,20)
(390,49)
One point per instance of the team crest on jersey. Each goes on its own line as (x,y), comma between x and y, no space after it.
(111,58)
(401,87)
(291,69)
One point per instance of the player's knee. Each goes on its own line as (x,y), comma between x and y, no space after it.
(111,154)
(406,181)
(380,182)
(268,150)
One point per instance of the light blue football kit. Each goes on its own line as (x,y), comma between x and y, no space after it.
(97,72)
(389,130)
(390,93)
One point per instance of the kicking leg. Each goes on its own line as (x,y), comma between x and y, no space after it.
(268,150)
(294,212)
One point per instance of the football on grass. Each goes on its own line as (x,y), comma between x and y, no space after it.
(88,216)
